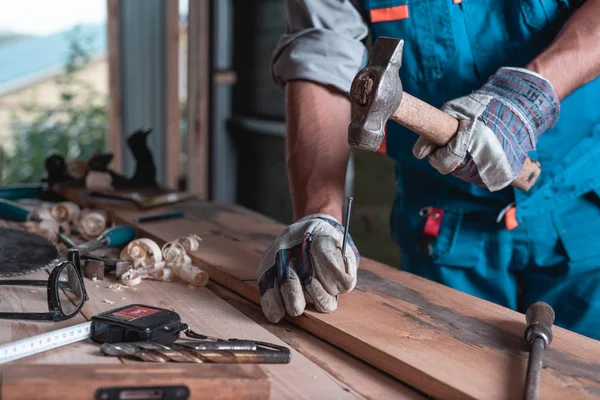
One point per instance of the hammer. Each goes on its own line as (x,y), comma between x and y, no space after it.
(376,96)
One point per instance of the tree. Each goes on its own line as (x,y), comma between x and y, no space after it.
(75,128)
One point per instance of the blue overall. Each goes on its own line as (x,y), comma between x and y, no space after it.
(554,254)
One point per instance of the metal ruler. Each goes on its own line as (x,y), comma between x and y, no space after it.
(44,342)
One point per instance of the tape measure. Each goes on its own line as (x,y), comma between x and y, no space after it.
(132,323)
(47,341)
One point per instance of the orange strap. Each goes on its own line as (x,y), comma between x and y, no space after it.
(510,219)
(389,13)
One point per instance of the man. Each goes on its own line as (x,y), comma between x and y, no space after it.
(521,76)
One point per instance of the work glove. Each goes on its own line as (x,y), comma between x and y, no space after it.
(498,125)
(305,264)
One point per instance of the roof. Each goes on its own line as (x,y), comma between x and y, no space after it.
(34,58)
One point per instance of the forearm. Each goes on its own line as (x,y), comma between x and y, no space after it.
(317,148)
(573,59)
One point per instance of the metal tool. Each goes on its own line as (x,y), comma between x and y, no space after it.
(538,335)
(44,342)
(264,353)
(134,322)
(376,96)
(117,236)
(149,333)
(347,225)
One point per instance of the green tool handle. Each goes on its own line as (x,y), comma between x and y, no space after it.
(114,237)
(20,191)
(118,236)
(12,211)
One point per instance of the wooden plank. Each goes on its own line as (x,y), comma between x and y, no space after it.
(208,314)
(173,137)
(199,93)
(366,380)
(28,299)
(443,342)
(57,382)
(115,116)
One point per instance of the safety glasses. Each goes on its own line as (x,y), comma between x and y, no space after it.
(66,292)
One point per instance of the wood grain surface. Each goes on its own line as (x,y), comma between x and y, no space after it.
(59,382)
(206,313)
(365,379)
(443,342)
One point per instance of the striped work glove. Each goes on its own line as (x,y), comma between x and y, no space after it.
(305,264)
(499,124)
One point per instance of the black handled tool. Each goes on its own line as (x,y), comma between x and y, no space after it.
(538,335)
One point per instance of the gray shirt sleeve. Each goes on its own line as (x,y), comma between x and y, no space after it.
(323,43)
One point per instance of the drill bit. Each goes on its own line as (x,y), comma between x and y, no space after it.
(262,353)
(538,335)
(347,226)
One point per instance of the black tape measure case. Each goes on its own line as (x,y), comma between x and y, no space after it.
(136,323)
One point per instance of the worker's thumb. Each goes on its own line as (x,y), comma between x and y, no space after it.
(423,148)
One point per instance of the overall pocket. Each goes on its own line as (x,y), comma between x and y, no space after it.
(541,14)
(426,29)
(459,243)
(578,226)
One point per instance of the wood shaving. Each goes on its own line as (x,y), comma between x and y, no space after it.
(165,274)
(190,242)
(131,278)
(174,254)
(191,274)
(143,252)
(117,287)
(43,213)
(92,223)
(153,270)
(164,264)
(65,211)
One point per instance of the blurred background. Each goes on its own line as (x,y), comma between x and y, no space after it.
(78,77)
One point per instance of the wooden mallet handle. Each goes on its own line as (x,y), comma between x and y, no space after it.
(439,128)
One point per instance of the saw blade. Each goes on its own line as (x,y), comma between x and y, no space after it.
(23,252)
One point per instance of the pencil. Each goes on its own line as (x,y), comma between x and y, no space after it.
(156,217)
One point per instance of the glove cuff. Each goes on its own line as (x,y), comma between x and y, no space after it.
(528,95)
(317,216)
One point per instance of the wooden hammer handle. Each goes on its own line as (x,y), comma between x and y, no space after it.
(439,128)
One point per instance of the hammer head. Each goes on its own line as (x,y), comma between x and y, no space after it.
(375,94)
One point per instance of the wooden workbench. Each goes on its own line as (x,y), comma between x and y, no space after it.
(310,375)
(440,341)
